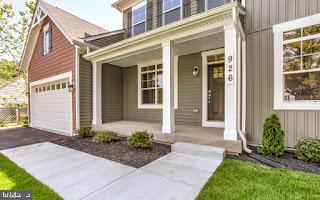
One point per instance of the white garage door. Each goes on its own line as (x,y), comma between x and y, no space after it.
(51,107)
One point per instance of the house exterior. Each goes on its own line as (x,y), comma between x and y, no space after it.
(219,64)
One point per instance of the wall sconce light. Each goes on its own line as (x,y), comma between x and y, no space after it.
(195,71)
(71,87)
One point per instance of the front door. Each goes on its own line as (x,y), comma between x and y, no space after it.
(216,92)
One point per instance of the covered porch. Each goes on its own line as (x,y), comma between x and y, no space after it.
(183,133)
(164,81)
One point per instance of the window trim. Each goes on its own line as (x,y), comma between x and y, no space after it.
(278,30)
(157,106)
(135,7)
(45,30)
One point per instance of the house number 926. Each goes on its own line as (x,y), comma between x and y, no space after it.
(230,74)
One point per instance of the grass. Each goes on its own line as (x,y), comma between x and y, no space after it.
(241,180)
(13,177)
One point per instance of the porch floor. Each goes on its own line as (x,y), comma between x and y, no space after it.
(184,133)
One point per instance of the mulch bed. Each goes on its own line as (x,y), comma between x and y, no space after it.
(288,159)
(119,151)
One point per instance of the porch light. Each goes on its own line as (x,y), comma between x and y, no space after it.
(195,71)
(71,87)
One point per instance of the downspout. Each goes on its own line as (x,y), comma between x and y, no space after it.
(244,99)
(241,108)
(77,87)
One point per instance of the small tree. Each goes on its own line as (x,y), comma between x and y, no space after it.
(273,136)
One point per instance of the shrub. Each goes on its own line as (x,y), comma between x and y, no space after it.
(308,149)
(106,137)
(141,140)
(84,132)
(24,121)
(273,136)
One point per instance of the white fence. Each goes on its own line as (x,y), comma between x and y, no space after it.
(13,114)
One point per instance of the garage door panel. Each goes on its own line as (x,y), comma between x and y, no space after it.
(52,110)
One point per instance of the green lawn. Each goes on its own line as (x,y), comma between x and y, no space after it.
(13,177)
(240,180)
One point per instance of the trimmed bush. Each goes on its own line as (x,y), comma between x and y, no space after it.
(273,137)
(308,149)
(141,140)
(84,132)
(106,137)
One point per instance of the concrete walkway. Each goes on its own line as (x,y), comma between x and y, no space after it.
(76,175)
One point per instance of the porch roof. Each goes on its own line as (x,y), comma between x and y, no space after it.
(196,26)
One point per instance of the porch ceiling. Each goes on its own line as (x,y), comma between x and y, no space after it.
(198,27)
(189,45)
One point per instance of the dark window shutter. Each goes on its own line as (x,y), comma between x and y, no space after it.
(159,13)
(186,8)
(129,19)
(42,39)
(200,6)
(149,16)
(50,38)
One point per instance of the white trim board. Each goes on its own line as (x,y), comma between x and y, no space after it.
(205,121)
(53,78)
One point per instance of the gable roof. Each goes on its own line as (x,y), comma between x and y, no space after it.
(73,25)
(73,28)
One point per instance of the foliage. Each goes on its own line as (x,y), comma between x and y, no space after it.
(84,132)
(8,69)
(14,26)
(106,137)
(13,177)
(241,180)
(24,121)
(141,140)
(273,136)
(308,149)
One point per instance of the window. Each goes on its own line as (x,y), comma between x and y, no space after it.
(171,10)
(203,5)
(139,18)
(170,5)
(37,90)
(53,87)
(58,86)
(43,88)
(48,87)
(63,85)
(297,64)
(46,39)
(150,86)
(40,89)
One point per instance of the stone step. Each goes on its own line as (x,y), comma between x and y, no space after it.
(199,150)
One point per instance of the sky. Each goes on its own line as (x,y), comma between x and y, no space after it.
(98,12)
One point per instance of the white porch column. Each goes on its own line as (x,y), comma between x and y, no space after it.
(231,83)
(96,94)
(168,120)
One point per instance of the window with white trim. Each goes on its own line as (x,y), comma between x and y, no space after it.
(170,5)
(46,39)
(150,86)
(297,64)
(171,11)
(139,12)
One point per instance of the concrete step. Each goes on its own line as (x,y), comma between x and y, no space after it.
(204,151)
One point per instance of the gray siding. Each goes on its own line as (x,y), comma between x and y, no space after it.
(131,111)
(190,94)
(260,16)
(189,90)
(112,93)
(85,77)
